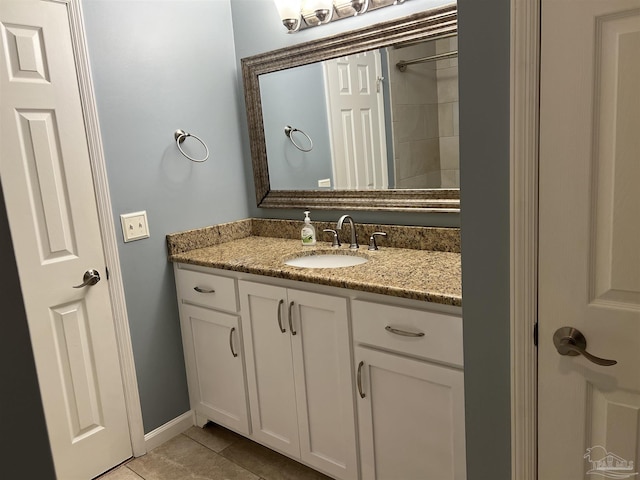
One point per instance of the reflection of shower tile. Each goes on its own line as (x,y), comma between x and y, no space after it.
(402,156)
(448,85)
(417,158)
(398,91)
(425,156)
(445,119)
(447,45)
(432,121)
(419,181)
(421,85)
(449,153)
(433,180)
(412,123)
(456,118)
(450,179)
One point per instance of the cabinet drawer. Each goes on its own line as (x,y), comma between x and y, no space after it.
(206,289)
(397,329)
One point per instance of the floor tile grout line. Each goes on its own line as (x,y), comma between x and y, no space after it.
(226,458)
(220,452)
(134,472)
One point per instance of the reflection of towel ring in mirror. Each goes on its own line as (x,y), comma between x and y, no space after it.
(180,135)
(289,130)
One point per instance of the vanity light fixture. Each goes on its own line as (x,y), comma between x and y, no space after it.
(317,12)
(289,11)
(301,14)
(348,8)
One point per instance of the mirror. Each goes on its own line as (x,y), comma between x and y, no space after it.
(411,133)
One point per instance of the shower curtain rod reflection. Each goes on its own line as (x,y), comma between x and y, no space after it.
(402,64)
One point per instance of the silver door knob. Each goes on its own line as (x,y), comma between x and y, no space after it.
(91,277)
(570,341)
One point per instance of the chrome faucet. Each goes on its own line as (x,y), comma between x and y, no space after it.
(354,236)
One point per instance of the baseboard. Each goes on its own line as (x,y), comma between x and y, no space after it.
(169,430)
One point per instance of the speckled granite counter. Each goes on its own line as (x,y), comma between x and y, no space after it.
(428,275)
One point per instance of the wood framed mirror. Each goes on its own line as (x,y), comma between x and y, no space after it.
(427,26)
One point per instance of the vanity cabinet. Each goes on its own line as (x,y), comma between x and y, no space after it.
(294,369)
(212,344)
(300,381)
(410,393)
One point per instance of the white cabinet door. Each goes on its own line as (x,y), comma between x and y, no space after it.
(323,381)
(274,418)
(300,382)
(213,353)
(411,418)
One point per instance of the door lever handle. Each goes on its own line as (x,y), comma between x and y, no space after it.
(91,277)
(570,341)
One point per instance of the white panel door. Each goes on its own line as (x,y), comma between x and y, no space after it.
(324,386)
(47,181)
(267,347)
(356,121)
(213,353)
(411,418)
(589,264)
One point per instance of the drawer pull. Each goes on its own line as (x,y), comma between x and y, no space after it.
(282,330)
(231,342)
(404,333)
(293,332)
(204,290)
(359,379)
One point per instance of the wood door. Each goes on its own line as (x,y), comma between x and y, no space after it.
(411,418)
(589,264)
(213,353)
(47,181)
(267,347)
(323,381)
(356,121)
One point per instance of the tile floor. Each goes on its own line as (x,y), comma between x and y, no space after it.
(212,453)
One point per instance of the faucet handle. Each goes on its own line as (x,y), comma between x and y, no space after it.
(336,240)
(372,241)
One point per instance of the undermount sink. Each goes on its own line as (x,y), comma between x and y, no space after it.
(324,260)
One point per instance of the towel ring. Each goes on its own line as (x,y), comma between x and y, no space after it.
(180,135)
(289,130)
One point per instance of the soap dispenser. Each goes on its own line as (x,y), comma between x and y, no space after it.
(308,231)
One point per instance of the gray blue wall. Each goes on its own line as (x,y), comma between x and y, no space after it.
(296,97)
(484,28)
(158,66)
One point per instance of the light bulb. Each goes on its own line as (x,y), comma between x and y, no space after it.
(289,11)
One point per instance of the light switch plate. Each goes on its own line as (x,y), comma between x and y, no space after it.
(134,226)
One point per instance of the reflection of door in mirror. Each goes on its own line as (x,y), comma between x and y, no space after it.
(373,125)
(424,113)
(355,109)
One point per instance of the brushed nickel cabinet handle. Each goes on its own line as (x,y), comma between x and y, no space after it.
(204,290)
(293,332)
(282,329)
(233,329)
(404,333)
(359,379)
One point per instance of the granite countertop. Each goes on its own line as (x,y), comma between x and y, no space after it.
(428,275)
